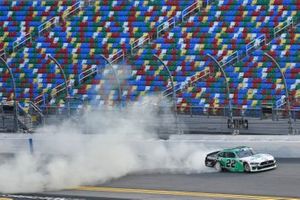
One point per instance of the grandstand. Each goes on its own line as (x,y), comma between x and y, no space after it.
(232,58)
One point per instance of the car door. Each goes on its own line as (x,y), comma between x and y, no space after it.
(230,161)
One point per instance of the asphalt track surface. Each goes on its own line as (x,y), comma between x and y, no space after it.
(280,184)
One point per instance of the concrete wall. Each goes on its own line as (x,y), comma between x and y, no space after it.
(279,146)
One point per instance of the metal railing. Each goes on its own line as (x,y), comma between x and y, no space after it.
(94,69)
(38,117)
(190,9)
(40,99)
(277,113)
(47,25)
(169,23)
(45,97)
(59,110)
(87,73)
(256,44)
(24,119)
(230,59)
(280,28)
(183,86)
(74,8)
(165,25)
(259,42)
(139,43)
(59,88)
(21,42)
(116,56)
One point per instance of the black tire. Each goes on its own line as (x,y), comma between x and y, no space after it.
(218,167)
(247,168)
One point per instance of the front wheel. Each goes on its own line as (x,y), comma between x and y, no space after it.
(247,167)
(218,167)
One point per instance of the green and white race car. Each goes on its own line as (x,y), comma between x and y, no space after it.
(240,159)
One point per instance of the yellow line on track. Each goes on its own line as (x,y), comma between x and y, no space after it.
(181,193)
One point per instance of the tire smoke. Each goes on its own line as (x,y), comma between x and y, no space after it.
(98,147)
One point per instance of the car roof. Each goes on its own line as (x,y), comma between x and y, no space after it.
(236,149)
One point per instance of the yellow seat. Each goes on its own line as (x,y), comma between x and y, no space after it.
(138,13)
(254,103)
(143,93)
(147,18)
(152,24)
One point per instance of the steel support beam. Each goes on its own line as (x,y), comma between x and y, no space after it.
(226,84)
(173,89)
(288,103)
(117,79)
(65,80)
(171,80)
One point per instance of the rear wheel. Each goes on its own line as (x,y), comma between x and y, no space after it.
(218,167)
(247,167)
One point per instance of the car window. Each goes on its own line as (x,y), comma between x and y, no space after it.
(221,154)
(245,153)
(230,155)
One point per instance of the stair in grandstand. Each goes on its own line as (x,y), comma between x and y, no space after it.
(92,71)
(187,83)
(85,75)
(30,37)
(13,120)
(286,26)
(42,28)
(168,25)
(146,40)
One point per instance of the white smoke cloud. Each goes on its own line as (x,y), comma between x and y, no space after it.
(118,143)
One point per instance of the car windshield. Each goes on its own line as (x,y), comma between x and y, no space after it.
(245,153)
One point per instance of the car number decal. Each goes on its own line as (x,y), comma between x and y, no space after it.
(230,163)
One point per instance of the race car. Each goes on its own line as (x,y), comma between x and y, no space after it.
(240,159)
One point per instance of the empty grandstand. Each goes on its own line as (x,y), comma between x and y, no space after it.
(229,63)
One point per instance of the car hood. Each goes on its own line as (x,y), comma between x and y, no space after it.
(258,158)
